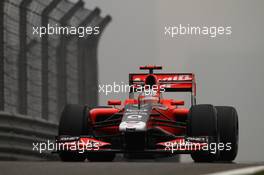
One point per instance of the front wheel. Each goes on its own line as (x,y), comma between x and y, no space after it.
(71,156)
(73,122)
(202,121)
(228,128)
(100,157)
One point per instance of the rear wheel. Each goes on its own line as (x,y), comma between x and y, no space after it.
(202,121)
(228,129)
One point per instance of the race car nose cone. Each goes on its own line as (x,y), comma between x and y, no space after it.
(132,126)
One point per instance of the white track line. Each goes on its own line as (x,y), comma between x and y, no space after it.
(240,171)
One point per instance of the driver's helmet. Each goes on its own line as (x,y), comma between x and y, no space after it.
(147,97)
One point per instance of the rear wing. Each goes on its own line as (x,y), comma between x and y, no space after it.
(171,82)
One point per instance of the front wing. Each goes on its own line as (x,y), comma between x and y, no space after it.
(179,145)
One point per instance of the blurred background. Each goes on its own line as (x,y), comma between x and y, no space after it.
(229,69)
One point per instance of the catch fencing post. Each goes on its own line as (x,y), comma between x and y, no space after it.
(2,96)
(44,60)
(22,58)
(82,59)
(61,57)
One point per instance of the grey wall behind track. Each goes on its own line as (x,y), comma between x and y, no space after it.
(39,75)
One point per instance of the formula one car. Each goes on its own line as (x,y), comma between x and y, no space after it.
(148,125)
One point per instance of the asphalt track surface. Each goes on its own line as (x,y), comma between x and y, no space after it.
(115,168)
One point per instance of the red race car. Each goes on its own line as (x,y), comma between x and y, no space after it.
(148,125)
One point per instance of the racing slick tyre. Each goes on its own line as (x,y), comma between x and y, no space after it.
(202,121)
(73,122)
(101,157)
(228,129)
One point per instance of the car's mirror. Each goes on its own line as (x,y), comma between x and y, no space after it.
(177,102)
(114,102)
